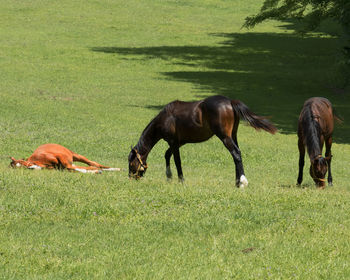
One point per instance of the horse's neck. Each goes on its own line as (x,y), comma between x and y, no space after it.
(313,146)
(27,162)
(314,151)
(30,159)
(148,139)
(312,134)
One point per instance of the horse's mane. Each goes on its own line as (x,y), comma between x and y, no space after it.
(141,143)
(311,131)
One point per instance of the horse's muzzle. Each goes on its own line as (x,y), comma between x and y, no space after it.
(135,176)
(320,183)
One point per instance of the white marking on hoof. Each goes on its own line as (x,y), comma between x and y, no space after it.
(80,170)
(243,182)
(111,169)
(94,171)
(87,171)
(34,167)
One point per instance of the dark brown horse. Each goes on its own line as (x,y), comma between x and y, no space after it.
(315,127)
(192,122)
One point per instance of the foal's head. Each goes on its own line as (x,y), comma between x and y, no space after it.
(137,167)
(19,163)
(318,170)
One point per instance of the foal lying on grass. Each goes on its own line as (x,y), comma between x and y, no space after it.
(54,156)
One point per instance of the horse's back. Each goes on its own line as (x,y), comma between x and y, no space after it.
(48,152)
(184,121)
(321,108)
(321,111)
(216,103)
(52,148)
(318,102)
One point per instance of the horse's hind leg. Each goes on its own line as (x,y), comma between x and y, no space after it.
(329,159)
(80,158)
(232,146)
(234,138)
(301,148)
(168,173)
(66,163)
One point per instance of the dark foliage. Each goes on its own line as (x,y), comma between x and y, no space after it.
(310,13)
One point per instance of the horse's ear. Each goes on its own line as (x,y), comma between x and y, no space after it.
(12,158)
(133,149)
(132,152)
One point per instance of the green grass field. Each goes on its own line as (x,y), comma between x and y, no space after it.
(90,75)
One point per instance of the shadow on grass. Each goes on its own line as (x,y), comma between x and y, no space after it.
(296,186)
(272,73)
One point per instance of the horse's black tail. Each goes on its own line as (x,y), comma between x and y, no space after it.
(254,120)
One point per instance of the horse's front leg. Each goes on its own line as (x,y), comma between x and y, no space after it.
(241,180)
(301,148)
(168,173)
(329,160)
(175,149)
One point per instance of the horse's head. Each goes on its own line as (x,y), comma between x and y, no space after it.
(19,163)
(318,170)
(137,167)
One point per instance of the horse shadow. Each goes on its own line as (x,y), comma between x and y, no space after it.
(273,73)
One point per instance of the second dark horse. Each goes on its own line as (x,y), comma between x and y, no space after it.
(315,127)
(192,122)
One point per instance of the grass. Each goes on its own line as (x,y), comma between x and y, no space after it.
(91,74)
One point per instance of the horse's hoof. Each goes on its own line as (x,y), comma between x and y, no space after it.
(330,184)
(168,173)
(243,182)
(181,180)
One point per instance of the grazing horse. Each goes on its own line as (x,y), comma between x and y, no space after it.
(193,122)
(54,156)
(315,127)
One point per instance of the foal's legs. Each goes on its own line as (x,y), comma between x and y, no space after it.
(80,158)
(68,165)
(92,164)
(329,159)
(168,154)
(301,160)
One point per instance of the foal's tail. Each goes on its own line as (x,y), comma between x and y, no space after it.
(254,120)
(337,118)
